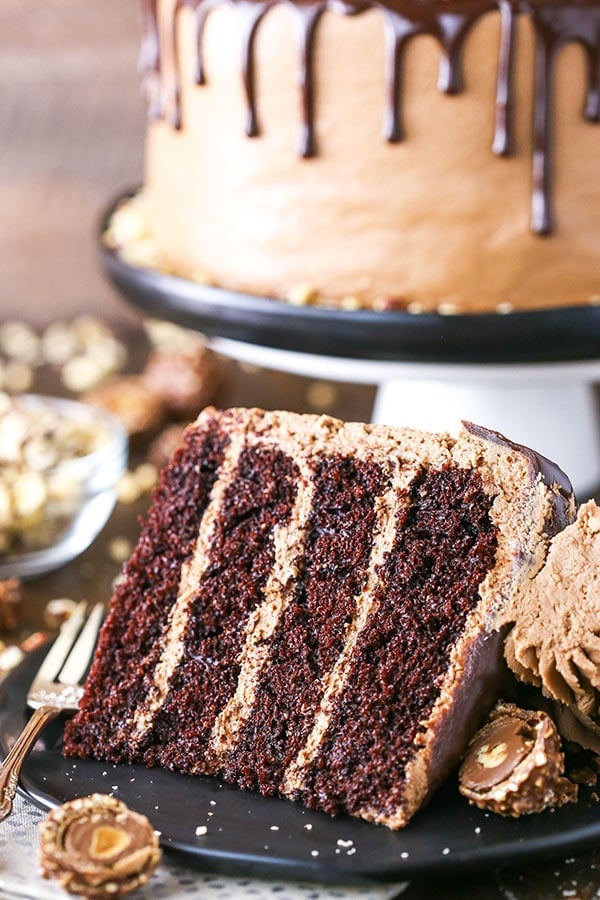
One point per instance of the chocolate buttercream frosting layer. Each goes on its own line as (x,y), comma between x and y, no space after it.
(449,22)
(554,642)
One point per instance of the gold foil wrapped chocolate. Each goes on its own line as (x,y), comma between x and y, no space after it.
(97,847)
(514,765)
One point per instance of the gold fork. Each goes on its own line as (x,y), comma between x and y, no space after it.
(55,689)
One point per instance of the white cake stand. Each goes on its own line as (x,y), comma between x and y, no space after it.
(551,407)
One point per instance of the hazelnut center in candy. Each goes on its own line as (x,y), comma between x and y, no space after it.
(496,752)
(491,756)
(102,841)
(108,841)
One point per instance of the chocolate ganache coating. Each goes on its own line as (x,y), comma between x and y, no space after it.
(555,23)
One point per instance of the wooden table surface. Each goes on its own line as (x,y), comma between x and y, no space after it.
(72,126)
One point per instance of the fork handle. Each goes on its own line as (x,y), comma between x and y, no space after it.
(10,769)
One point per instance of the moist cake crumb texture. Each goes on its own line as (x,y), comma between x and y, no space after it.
(402,655)
(315,608)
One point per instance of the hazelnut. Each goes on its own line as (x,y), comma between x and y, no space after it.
(58,611)
(140,411)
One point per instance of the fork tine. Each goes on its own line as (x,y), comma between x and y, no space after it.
(78,659)
(61,646)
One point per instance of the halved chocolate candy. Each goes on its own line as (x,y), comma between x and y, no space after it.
(514,765)
(96,846)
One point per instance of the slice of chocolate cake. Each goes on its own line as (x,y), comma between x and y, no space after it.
(314,608)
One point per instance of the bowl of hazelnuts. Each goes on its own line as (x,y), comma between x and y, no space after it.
(60,465)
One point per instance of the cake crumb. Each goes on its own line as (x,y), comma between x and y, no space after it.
(201,830)
(314,852)
(308,826)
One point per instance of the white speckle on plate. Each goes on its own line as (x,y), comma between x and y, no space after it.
(201,830)
(314,852)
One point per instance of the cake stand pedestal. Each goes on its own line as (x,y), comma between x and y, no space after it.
(528,374)
(551,407)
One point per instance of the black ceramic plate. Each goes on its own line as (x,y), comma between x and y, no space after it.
(563,334)
(252,835)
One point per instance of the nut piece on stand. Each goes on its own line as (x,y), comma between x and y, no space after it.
(514,765)
(185,380)
(140,411)
(164,444)
(97,847)
(10,600)
(58,611)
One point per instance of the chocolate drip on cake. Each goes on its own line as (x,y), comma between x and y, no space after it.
(449,22)
(308,16)
(556,25)
(149,64)
(503,133)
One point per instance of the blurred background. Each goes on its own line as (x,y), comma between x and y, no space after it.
(72,125)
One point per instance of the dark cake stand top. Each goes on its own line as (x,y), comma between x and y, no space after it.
(553,335)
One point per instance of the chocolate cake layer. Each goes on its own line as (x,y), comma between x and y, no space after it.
(315,608)
(132,639)
(241,557)
(312,630)
(445,544)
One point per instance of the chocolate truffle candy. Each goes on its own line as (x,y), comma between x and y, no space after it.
(97,847)
(514,765)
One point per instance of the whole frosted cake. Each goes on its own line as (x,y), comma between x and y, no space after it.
(416,155)
(315,609)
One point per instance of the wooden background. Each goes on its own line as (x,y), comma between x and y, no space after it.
(71,137)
